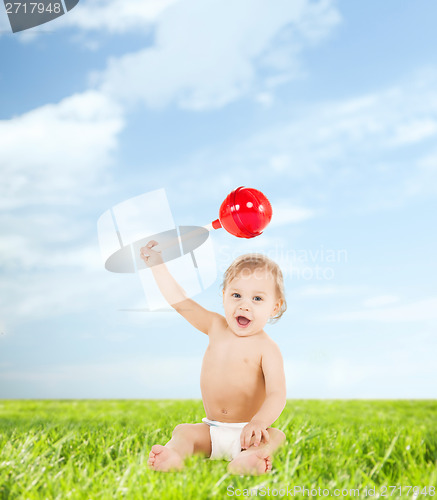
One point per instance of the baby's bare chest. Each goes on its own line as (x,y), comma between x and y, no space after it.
(233,356)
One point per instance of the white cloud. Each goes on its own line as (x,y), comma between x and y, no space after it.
(380,300)
(41,294)
(132,378)
(414,131)
(5,27)
(209,53)
(54,153)
(393,116)
(266,99)
(422,310)
(378,368)
(323,153)
(116,16)
(324,290)
(428,163)
(110,16)
(287,213)
(53,161)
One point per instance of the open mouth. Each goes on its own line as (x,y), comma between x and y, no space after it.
(242,321)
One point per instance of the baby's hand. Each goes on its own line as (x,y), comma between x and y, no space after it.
(253,428)
(151,257)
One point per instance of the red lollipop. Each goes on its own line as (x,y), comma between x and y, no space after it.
(244,213)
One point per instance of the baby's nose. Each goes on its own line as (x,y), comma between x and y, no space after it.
(244,307)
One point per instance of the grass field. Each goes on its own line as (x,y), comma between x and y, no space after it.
(97,449)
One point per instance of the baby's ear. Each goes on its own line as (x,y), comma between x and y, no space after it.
(278,306)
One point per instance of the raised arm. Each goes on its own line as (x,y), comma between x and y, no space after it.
(173,293)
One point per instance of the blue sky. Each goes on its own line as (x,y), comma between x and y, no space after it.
(328,107)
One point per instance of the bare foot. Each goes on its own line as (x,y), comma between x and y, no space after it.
(164,459)
(254,462)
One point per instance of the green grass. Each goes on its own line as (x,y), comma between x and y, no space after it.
(99,449)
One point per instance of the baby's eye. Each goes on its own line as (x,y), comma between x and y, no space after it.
(257,299)
(236,295)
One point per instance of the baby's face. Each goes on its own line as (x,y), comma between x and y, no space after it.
(249,301)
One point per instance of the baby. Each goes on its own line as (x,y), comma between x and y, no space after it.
(242,379)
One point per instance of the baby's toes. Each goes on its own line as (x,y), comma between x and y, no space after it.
(157,448)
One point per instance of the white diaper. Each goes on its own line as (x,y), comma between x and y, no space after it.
(225,439)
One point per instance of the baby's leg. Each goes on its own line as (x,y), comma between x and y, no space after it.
(257,459)
(187,439)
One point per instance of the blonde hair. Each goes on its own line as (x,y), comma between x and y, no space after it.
(251,262)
